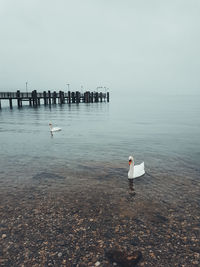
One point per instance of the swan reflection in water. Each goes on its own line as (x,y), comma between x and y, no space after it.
(131,187)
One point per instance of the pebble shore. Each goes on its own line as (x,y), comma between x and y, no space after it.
(100,222)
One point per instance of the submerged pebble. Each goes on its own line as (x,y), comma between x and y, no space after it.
(4,236)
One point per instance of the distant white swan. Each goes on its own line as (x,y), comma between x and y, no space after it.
(54,129)
(135,170)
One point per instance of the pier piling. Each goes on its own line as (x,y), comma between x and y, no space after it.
(96,97)
(19,100)
(10,102)
(60,97)
(49,97)
(77,97)
(73,97)
(69,97)
(63,97)
(92,97)
(54,97)
(101,96)
(45,97)
(108,97)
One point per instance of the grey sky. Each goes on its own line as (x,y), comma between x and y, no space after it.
(132,45)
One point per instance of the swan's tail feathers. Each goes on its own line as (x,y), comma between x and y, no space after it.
(143,167)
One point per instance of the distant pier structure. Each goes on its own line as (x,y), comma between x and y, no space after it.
(51,98)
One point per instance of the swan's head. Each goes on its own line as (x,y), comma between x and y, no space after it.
(130,160)
(50,125)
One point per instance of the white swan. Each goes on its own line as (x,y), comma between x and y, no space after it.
(54,129)
(135,170)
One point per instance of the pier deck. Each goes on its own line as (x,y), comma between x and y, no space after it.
(34,98)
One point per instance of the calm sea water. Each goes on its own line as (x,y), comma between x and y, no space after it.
(68,192)
(162,131)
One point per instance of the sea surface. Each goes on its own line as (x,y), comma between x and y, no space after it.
(164,132)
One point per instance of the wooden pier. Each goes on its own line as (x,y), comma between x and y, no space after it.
(51,98)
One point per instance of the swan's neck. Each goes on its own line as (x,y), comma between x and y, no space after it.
(131,170)
(132,166)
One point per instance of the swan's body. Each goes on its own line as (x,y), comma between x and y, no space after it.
(135,171)
(54,129)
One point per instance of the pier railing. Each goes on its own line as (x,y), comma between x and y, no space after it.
(49,97)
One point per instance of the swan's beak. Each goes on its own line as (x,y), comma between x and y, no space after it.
(129,162)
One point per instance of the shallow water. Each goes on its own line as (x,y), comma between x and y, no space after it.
(164,132)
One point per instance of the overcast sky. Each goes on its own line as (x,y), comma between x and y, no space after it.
(139,46)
